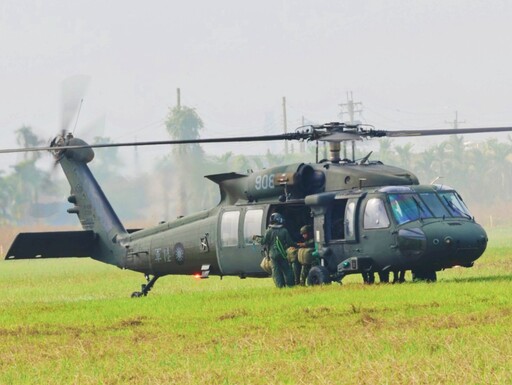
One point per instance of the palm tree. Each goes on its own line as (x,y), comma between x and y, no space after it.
(404,154)
(425,164)
(273,159)
(25,137)
(241,163)
(26,182)
(6,199)
(441,159)
(184,123)
(106,160)
(385,153)
(476,173)
(499,170)
(457,167)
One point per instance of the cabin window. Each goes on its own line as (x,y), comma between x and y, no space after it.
(350,220)
(229,228)
(338,219)
(252,225)
(375,215)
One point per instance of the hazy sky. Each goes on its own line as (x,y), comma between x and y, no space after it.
(411,63)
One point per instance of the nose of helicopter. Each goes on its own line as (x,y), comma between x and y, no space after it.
(452,243)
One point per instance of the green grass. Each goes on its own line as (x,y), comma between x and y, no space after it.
(72,322)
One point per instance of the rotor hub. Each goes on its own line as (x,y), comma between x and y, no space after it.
(74,148)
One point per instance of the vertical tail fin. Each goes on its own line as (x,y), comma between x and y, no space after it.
(90,203)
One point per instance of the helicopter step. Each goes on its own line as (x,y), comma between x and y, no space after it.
(145,288)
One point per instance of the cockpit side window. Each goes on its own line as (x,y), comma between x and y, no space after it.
(375,215)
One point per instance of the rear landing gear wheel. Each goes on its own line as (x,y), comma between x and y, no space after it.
(145,288)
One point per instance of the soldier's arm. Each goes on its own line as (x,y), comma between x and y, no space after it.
(289,240)
(266,239)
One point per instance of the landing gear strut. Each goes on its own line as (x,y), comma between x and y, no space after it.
(145,287)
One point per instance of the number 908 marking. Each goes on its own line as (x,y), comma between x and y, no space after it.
(264,182)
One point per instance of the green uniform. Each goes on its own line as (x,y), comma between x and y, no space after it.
(296,269)
(309,244)
(281,270)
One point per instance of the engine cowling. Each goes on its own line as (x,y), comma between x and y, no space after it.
(289,182)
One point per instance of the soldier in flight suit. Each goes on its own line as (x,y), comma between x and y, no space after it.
(309,243)
(277,239)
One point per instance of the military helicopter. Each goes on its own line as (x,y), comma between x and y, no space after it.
(367,217)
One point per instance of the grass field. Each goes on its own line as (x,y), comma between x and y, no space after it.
(72,322)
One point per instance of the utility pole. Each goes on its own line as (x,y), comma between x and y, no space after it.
(285,126)
(178,98)
(456,122)
(350,108)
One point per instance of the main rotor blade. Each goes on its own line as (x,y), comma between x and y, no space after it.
(314,134)
(449,131)
(262,138)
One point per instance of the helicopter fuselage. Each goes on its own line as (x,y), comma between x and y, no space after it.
(356,230)
(366,217)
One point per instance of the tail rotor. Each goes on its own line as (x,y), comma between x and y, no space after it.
(73,92)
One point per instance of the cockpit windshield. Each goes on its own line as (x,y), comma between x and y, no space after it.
(407,207)
(434,204)
(455,205)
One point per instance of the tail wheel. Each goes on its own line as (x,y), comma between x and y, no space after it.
(318,275)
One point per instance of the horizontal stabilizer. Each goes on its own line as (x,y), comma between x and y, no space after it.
(53,244)
(218,178)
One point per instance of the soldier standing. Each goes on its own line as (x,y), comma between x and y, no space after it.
(308,243)
(277,239)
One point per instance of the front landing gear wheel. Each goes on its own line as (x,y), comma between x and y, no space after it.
(318,275)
